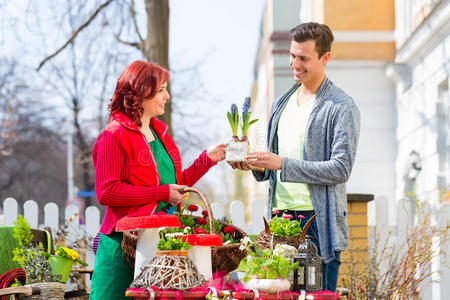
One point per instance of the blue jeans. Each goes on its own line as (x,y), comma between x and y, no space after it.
(330,270)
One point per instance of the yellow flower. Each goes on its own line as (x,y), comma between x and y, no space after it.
(70,253)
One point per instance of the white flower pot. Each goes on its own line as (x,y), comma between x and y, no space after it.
(268,285)
(236,151)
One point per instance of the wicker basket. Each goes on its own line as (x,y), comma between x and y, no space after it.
(224,258)
(266,239)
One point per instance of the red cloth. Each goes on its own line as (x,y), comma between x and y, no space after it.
(126,176)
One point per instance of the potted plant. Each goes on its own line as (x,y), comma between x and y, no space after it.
(34,261)
(282,230)
(63,260)
(268,271)
(171,243)
(171,268)
(238,147)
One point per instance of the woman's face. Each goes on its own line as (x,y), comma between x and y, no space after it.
(155,106)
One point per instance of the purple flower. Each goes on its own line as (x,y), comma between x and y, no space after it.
(246,105)
(234,109)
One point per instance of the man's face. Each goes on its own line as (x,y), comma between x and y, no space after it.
(305,62)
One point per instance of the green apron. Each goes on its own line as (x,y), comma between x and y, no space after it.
(112,273)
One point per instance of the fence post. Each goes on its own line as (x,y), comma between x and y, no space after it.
(9,211)
(30,213)
(51,216)
(258,211)
(217,210)
(72,218)
(237,214)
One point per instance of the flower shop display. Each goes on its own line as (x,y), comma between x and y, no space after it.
(171,268)
(141,248)
(63,260)
(282,230)
(34,261)
(239,147)
(225,257)
(267,270)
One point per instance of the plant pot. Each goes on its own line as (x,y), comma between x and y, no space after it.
(268,285)
(172,252)
(236,151)
(61,265)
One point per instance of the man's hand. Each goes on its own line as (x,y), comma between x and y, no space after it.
(241,165)
(267,160)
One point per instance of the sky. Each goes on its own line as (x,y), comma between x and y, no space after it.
(223,37)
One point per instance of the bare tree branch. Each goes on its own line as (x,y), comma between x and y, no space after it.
(75,33)
(136,45)
(133,17)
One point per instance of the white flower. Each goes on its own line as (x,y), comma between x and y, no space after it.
(242,247)
(187,229)
(246,241)
(227,242)
(174,234)
(284,250)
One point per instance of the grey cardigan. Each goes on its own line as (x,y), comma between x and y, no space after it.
(330,144)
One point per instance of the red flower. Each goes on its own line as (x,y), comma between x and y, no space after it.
(287,216)
(183,226)
(160,213)
(228,229)
(260,298)
(199,230)
(192,207)
(275,212)
(205,213)
(301,216)
(201,221)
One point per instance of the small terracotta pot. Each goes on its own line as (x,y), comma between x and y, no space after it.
(172,252)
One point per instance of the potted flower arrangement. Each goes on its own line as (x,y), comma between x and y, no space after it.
(282,230)
(63,260)
(268,271)
(171,268)
(238,147)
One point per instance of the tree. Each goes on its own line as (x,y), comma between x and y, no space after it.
(154,47)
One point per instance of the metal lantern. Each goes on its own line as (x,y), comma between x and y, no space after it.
(308,276)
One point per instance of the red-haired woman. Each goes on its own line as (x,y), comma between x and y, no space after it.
(137,169)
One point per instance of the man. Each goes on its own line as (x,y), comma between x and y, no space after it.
(312,137)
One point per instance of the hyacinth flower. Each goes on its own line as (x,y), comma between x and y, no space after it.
(233,119)
(246,114)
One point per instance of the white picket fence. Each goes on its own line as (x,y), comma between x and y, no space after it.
(54,214)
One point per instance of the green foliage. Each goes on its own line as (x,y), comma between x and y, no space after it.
(234,122)
(32,258)
(266,265)
(246,122)
(171,241)
(283,226)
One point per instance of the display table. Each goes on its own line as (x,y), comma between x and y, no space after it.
(141,294)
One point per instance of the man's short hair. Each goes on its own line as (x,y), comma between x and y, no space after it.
(320,33)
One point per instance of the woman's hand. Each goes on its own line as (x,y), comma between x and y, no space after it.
(217,152)
(176,194)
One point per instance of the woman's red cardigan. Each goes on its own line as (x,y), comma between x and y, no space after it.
(126,175)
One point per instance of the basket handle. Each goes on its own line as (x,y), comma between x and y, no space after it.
(208,207)
(306,227)
(266,226)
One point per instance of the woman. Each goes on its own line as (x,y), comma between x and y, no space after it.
(137,169)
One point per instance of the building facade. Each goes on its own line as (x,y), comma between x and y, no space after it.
(393,58)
